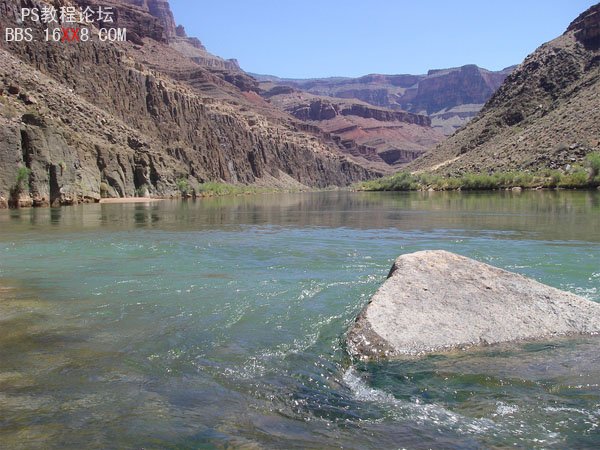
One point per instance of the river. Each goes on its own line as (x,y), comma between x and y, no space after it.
(219,323)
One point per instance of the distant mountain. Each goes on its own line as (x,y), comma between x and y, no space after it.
(546,114)
(450,97)
(380,135)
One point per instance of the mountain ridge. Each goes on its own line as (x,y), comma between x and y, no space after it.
(450,97)
(545,114)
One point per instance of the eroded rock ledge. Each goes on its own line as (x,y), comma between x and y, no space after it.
(436,301)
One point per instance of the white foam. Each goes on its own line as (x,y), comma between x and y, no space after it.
(502,409)
(416,411)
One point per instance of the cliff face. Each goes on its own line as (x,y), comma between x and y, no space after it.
(587,28)
(324,109)
(384,136)
(154,19)
(450,97)
(545,115)
(137,18)
(93,119)
(161,10)
(445,89)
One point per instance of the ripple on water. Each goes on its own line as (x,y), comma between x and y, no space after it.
(222,324)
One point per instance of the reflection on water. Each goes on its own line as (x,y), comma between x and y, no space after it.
(220,323)
(575,213)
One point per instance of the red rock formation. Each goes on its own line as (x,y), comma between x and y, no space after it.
(444,89)
(384,115)
(375,134)
(321,109)
(437,94)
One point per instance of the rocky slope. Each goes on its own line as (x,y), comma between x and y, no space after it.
(450,97)
(120,119)
(390,137)
(545,115)
(177,37)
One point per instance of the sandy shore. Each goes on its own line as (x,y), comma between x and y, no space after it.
(131,200)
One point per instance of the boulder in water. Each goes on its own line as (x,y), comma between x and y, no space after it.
(437,301)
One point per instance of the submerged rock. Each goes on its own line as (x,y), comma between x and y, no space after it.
(435,301)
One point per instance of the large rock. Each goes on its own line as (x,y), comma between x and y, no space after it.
(435,301)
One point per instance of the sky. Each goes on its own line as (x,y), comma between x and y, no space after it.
(322,38)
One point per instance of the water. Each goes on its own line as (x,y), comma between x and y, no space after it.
(220,324)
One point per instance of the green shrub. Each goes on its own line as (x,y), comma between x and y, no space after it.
(473,181)
(578,179)
(21,180)
(592,161)
(183,186)
(142,190)
(22,177)
(402,181)
(213,188)
(103,189)
(523,179)
(554,178)
(451,184)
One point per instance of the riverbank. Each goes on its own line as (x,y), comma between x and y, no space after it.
(130,200)
(575,177)
(204,190)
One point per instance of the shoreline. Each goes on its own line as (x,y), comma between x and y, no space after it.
(130,200)
(363,187)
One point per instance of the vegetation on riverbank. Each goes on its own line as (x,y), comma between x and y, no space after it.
(213,188)
(216,189)
(578,177)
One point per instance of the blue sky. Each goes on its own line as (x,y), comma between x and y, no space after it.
(309,38)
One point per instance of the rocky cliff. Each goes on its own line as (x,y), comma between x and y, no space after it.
(448,88)
(450,97)
(98,118)
(162,11)
(323,109)
(136,17)
(545,115)
(154,19)
(385,136)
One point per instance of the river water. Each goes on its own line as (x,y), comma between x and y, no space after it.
(220,323)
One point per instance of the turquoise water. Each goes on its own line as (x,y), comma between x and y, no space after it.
(220,323)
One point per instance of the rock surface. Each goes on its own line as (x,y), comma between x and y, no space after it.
(436,301)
